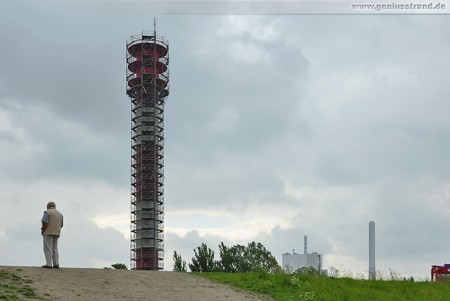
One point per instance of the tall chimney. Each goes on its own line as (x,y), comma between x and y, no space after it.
(305,244)
(372,273)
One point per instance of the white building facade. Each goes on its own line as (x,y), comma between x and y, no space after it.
(292,262)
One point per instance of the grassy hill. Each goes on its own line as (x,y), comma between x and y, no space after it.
(33,283)
(285,287)
(13,287)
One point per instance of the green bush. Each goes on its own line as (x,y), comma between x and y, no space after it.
(119,266)
(236,259)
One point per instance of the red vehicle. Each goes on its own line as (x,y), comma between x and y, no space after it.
(438,271)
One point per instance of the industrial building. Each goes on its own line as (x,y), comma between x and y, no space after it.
(147,81)
(293,262)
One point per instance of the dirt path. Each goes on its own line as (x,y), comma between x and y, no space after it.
(99,284)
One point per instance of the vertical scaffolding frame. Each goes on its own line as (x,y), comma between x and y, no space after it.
(147,79)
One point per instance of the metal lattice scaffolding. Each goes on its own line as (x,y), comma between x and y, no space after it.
(148,87)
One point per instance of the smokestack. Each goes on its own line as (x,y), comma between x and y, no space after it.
(305,244)
(372,274)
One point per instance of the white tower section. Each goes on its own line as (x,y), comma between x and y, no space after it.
(372,271)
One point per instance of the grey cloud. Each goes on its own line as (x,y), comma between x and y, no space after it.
(105,246)
(350,111)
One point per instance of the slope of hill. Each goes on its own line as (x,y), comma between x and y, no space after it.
(100,284)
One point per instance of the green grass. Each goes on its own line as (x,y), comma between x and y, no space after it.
(13,287)
(284,287)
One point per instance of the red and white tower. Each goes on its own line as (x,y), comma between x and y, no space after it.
(147,87)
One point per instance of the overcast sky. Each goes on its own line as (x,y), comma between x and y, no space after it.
(276,127)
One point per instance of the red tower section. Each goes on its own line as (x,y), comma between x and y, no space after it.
(147,86)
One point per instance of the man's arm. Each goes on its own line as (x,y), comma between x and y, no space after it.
(44,221)
(44,227)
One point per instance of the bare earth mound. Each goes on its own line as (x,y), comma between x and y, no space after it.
(99,284)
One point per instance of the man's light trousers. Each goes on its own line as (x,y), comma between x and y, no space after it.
(51,249)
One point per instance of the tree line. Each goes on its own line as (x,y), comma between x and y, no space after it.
(234,259)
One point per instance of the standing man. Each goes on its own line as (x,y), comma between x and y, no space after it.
(52,222)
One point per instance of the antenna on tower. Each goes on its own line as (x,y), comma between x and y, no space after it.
(154,26)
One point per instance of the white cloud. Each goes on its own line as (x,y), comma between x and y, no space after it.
(256,27)
(247,53)
(225,120)
(120,222)
(233,223)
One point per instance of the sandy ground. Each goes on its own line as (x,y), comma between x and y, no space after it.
(99,284)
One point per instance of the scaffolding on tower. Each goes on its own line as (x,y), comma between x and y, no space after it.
(147,79)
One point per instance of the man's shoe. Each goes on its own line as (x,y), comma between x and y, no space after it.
(46,266)
(56,266)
